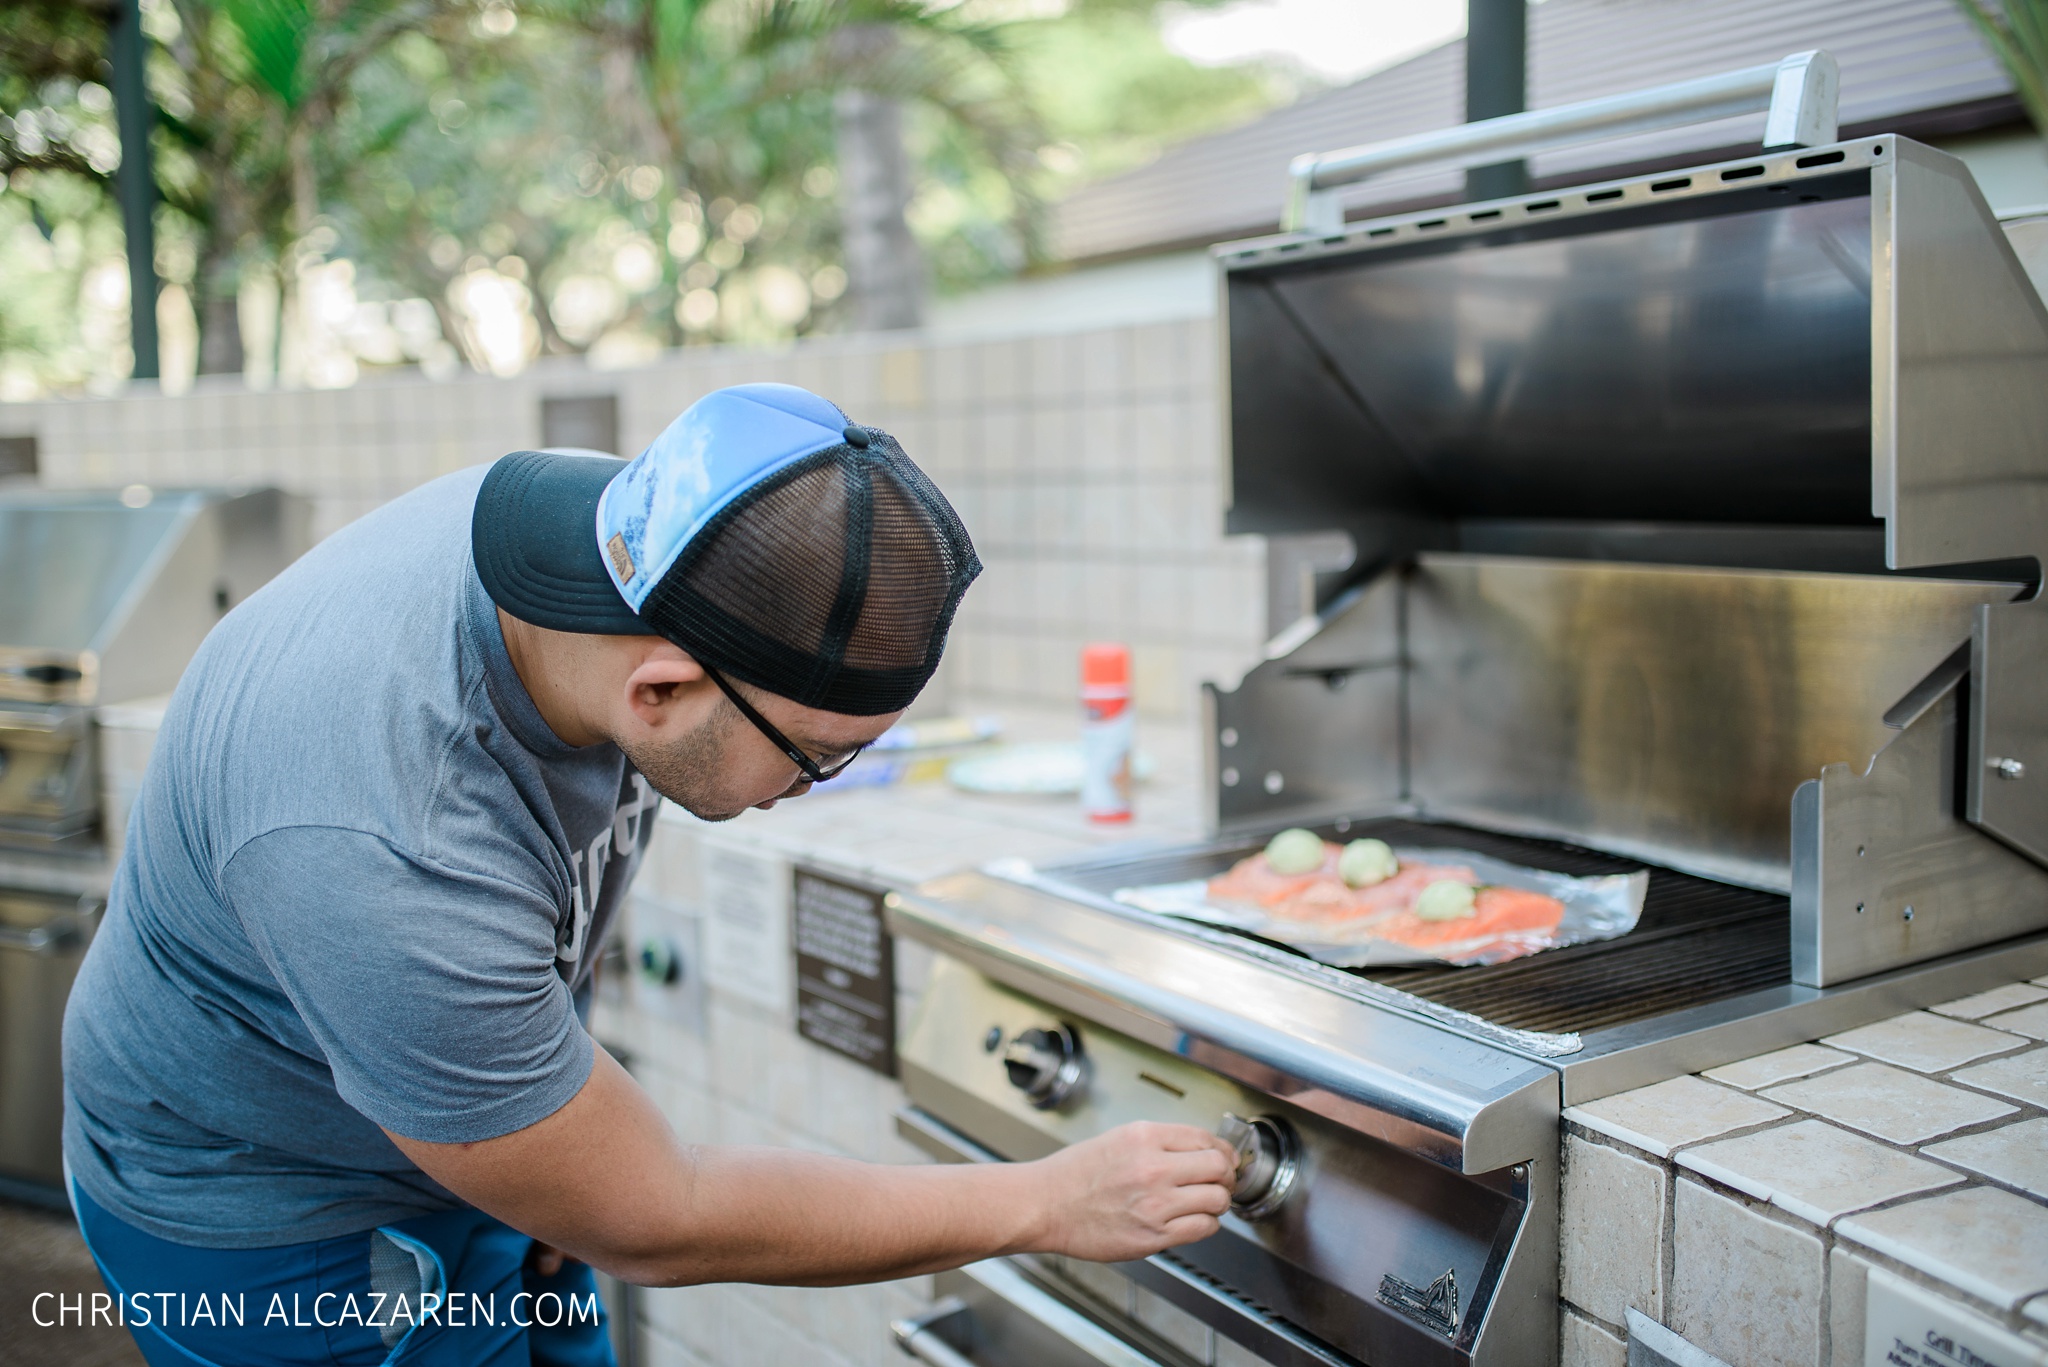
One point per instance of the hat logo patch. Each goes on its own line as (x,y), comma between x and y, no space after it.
(622,559)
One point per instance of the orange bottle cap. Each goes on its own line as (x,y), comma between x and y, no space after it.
(1105,663)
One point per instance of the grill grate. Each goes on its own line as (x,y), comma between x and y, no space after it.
(1697,942)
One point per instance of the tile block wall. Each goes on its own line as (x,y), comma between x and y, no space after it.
(1752,1203)
(739,1074)
(1613,1230)
(1088,467)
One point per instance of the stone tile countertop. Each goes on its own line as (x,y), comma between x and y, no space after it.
(906,833)
(1755,1207)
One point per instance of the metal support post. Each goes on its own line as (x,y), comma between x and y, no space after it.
(1496,83)
(134,183)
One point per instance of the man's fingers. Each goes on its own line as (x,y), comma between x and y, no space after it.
(1202,1198)
(1186,1229)
(1201,1165)
(1184,1138)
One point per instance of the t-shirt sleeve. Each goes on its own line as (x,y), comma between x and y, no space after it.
(432,992)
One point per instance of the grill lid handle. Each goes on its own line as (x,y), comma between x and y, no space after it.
(1801,92)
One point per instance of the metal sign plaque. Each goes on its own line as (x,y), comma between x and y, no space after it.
(845,970)
(1908,1326)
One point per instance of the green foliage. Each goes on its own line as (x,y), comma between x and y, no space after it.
(49,57)
(60,321)
(1109,95)
(444,163)
(616,163)
(64,304)
(2017,31)
(1113,93)
(46,40)
(274,37)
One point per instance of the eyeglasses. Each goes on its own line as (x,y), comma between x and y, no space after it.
(812,770)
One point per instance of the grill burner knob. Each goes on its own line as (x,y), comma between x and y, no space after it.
(1268,1157)
(1046,1065)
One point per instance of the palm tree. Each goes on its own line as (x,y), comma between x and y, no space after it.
(259,84)
(733,96)
(884,267)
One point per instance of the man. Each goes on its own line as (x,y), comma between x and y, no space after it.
(325,1053)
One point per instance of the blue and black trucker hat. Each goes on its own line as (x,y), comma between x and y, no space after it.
(763,532)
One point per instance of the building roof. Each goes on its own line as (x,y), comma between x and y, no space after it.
(1910,66)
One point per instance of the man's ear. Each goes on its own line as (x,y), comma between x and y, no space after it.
(663,687)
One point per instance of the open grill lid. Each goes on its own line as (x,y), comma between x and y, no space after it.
(103,600)
(1824,358)
(1704,360)
(72,565)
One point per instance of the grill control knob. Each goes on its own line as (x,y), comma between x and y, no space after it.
(1268,1159)
(1047,1065)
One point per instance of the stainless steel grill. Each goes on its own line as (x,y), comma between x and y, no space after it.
(1698,522)
(103,599)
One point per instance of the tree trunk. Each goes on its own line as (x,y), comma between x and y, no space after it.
(884,268)
(217,276)
(220,331)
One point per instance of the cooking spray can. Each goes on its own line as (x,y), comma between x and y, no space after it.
(1106,730)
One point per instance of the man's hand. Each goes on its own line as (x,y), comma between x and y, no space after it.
(604,1180)
(1138,1189)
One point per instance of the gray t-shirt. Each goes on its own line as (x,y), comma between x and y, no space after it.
(362,886)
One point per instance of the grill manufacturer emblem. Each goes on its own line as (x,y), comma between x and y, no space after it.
(1435,1305)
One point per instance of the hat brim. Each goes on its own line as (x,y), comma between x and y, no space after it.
(534,538)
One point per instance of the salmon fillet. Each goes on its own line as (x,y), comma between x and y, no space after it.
(1253,880)
(1318,907)
(1496,912)
(1323,896)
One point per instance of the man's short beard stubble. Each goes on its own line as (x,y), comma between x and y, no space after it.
(687,772)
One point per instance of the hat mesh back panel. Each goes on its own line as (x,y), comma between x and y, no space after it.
(908,582)
(777,564)
(834,586)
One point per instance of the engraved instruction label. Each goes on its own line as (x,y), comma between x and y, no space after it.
(1909,1326)
(845,970)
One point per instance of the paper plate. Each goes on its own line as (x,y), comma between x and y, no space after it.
(1038,768)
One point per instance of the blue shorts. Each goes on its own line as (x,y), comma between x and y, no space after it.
(446,1290)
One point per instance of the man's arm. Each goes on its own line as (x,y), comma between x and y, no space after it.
(606,1180)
